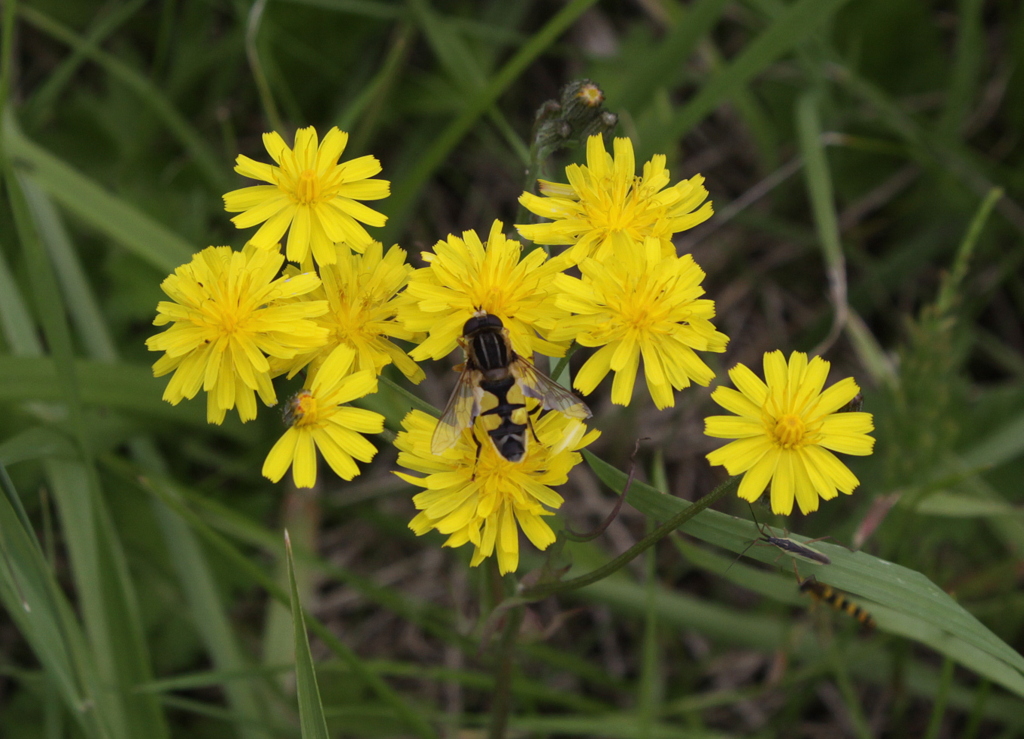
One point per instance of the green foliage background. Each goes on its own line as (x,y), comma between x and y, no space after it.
(851,148)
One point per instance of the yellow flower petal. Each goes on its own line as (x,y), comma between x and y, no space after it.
(784,429)
(227,318)
(307,182)
(477,496)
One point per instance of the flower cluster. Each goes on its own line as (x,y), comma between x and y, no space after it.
(488,467)
(237,322)
(636,297)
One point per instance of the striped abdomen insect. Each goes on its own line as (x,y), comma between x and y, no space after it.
(494,385)
(825,593)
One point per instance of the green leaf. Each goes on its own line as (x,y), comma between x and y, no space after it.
(820,192)
(955,505)
(149,240)
(311,710)
(45,619)
(209,164)
(664,63)
(411,184)
(796,23)
(911,604)
(37,442)
(125,387)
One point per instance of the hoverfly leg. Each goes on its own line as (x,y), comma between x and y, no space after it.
(529,424)
(476,459)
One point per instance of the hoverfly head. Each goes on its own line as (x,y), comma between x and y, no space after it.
(481,320)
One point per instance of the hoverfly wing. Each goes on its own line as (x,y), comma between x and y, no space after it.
(462,408)
(552,395)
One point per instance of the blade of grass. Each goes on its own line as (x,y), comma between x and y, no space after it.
(949,628)
(252,53)
(650,687)
(839,661)
(35,443)
(770,633)
(970,51)
(362,114)
(401,202)
(463,67)
(210,165)
(216,521)
(311,710)
(939,707)
(609,726)
(124,387)
(243,565)
(953,280)
(948,155)
(188,559)
(799,20)
(87,317)
(19,333)
(40,104)
(819,189)
(99,567)
(49,626)
(365,8)
(663,64)
(150,241)
(82,543)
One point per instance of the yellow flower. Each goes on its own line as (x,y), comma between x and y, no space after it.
(311,193)
(229,314)
(361,291)
(481,501)
(784,431)
(606,206)
(640,303)
(465,276)
(319,421)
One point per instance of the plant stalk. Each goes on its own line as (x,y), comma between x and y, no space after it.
(547,589)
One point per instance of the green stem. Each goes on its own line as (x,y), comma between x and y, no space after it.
(939,707)
(977,711)
(414,400)
(259,76)
(501,706)
(856,714)
(523,215)
(564,361)
(950,285)
(7,55)
(547,589)
(404,195)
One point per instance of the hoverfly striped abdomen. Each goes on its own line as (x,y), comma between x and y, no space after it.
(494,385)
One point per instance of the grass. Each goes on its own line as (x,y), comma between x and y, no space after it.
(864,159)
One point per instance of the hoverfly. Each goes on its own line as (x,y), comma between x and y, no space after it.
(494,384)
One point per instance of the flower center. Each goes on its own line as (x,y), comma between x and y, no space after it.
(301,409)
(307,187)
(353,320)
(789,430)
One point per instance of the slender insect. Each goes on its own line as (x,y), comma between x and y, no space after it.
(824,593)
(494,384)
(790,547)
